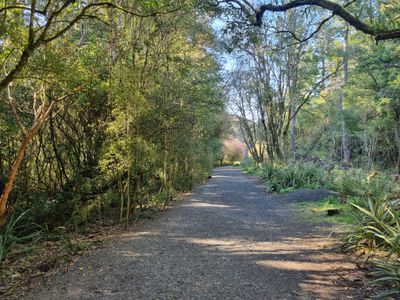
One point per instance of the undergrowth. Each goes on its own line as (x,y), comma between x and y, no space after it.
(377,229)
(282,178)
(15,232)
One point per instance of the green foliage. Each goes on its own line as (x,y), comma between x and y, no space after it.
(139,119)
(249,166)
(355,113)
(378,225)
(359,183)
(377,229)
(316,211)
(282,178)
(16,232)
(387,275)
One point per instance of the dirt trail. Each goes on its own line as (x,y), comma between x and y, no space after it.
(229,240)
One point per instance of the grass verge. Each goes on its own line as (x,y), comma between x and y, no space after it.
(317,211)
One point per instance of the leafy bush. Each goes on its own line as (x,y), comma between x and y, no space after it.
(378,224)
(378,227)
(281,178)
(387,273)
(359,183)
(249,166)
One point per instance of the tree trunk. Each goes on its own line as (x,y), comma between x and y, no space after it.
(136,195)
(13,173)
(293,130)
(344,135)
(165,173)
(128,200)
(41,115)
(121,200)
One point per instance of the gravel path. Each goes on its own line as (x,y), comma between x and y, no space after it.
(229,240)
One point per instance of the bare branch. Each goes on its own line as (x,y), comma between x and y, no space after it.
(302,40)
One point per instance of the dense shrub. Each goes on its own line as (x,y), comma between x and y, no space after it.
(359,183)
(378,229)
(300,175)
(249,166)
(282,178)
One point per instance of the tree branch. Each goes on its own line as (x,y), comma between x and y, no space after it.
(44,37)
(20,7)
(336,9)
(302,40)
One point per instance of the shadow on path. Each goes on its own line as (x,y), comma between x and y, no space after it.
(229,240)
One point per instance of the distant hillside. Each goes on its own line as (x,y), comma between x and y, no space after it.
(233,127)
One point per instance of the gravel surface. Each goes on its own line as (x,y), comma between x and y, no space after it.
(228,240)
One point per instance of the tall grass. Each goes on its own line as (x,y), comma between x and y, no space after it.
(15,232)
(387,274)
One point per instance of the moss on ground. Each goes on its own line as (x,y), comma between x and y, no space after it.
(316,211)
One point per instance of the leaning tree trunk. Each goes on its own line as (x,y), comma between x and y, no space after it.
(14,171)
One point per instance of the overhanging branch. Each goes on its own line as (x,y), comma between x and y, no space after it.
(336,9)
